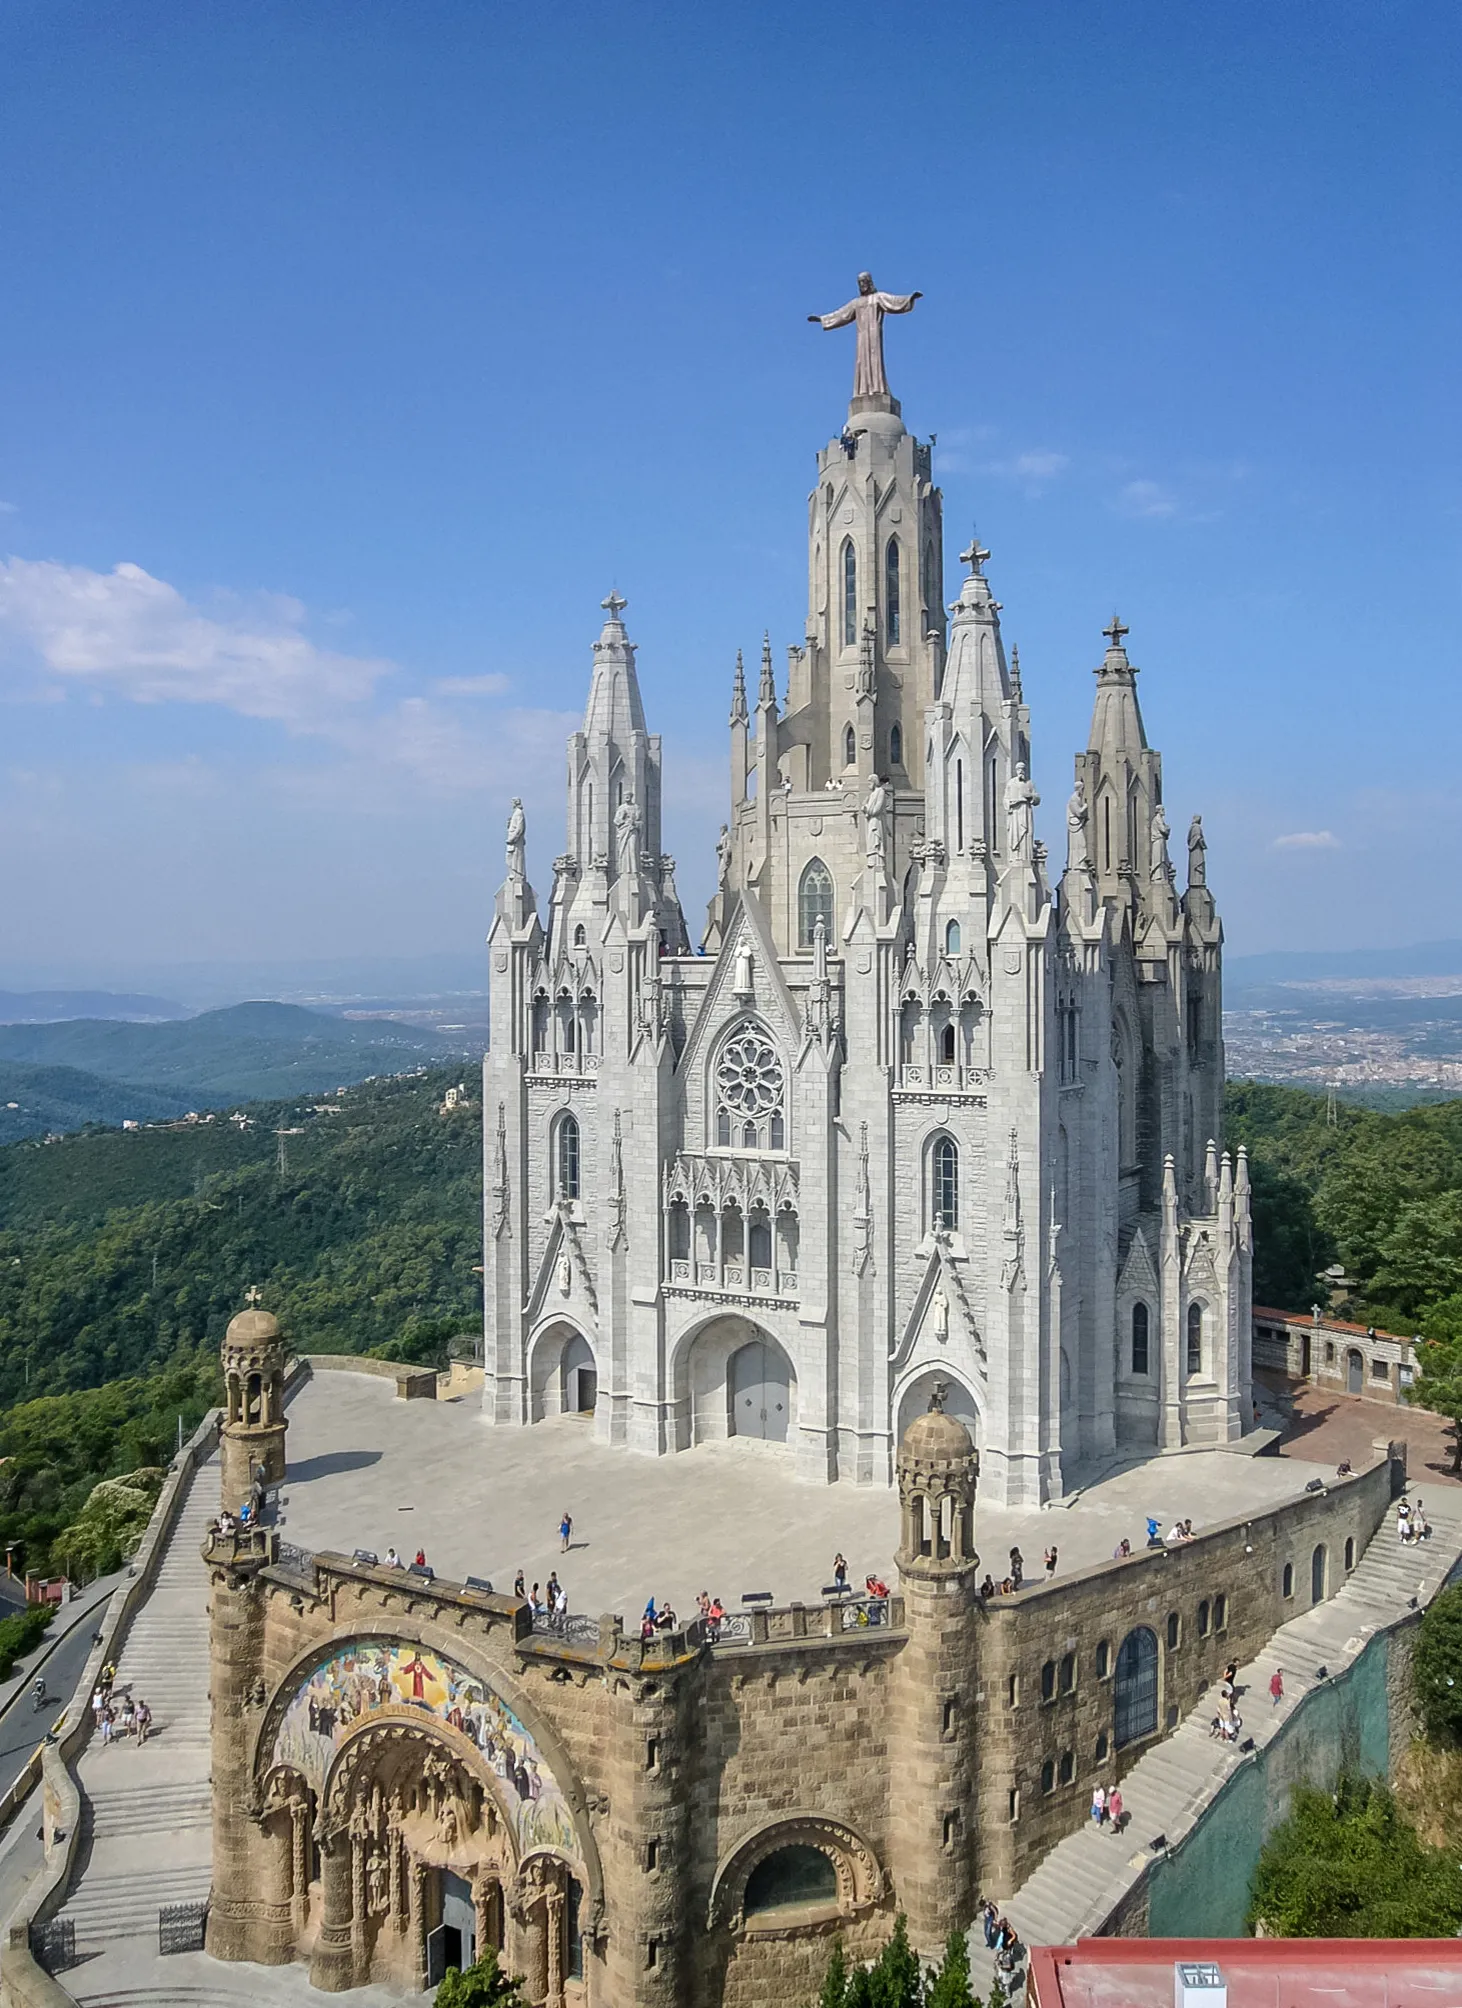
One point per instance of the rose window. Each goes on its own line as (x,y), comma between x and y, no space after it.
(749,1085)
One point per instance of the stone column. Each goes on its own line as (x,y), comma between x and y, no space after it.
(332,1967)
(418,1922)
(553,1926)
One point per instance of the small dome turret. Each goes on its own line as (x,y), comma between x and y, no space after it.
(938,1467)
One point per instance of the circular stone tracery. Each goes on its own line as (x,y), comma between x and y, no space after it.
(749,1074)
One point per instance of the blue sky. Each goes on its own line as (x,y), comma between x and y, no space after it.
(351,352)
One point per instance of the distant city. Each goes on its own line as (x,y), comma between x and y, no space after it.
(1368,1032)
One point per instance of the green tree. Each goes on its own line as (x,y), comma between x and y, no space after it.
(1290,1247)
(835,1981)
(897,1979)
(950,1987)
(1438,1386)
(1349,1865)
(481,1985)
(1436,1667)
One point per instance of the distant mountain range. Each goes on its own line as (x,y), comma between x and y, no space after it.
(100,1070)
(1426,958)
(46,1007)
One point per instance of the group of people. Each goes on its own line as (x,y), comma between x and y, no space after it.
(1010,1583)
(114,1714)
(1227,1724)
(1107,1809)
(395,1561)
(1411,1523)
(551,1601)
(1000,1936)
(660,1618)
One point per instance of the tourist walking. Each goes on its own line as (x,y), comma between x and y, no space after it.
(1098,1808)
(1276,1687)
(1114,1809)
(1050,1562)
(840,1571)
(565,1532)
(989,1917)
(143,1720)
(1017,1566)
(518,1590)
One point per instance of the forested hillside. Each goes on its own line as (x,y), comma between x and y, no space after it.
(119,1252)
(1381,1194)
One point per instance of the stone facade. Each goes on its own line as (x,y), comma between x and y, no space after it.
(1333,1353)
(925,1107)
(405,1770)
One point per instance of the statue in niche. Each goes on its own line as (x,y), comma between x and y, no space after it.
(565,1274)
(1158,844)
(448,1825)
(517,834)
(1021,801)
(378,1897)
(939,1314)
(1197,853)
(875,811)
(1078,858)
(627,836)
(741,971)
(723,856)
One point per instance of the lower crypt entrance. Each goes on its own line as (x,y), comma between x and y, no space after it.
(761,1391)
(454,1941)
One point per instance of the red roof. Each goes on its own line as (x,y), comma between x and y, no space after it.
(1326,1324)
(1258,1972)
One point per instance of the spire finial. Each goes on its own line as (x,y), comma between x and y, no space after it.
(614,606)
(1116,634)
(738,693)
(1015,689)
(974,555)
(767,694)
(938,1396)
(252,1296)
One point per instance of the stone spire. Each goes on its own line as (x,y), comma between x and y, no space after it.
(613,761)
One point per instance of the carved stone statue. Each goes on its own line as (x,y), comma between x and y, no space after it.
(1020,806)
(1078,857)
(875,810)
(377,1896)
(517,831)
(939,1314)
(723,855)
(565,1275)
(627,836)
(741,971)
(1197,853)
(867,311)
(1157,842)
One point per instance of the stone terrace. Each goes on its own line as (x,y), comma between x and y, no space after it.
(368,1471)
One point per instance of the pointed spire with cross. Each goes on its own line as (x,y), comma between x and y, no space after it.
(1115,632)
(974,555)
(615,605)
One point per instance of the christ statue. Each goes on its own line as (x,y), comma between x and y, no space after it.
(868,311)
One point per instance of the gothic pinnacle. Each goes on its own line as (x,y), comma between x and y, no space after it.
(767,694)
(738,693)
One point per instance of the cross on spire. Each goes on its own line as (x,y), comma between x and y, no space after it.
(974,555)
(614,606)
(1116,633)
(252,1296)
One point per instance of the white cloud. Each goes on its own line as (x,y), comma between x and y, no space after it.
(1145,498)
(136,636)
(1308,840)
(472,686)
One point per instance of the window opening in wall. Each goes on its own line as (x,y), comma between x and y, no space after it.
(1012,1692)
(896,747)
(1103,1659)
(891,591)
(1195,1338)
(1174,1631)
(946,1045)
(1139,1338)
(1103,1746)
(1329,1352)
(652,1952)
(1318,1562)
(1220,1612)
(1067,1678)
(1068,1766)
(1014,1803)
(652,1853)
(1170,1719)
(946,1183)
(959,805)
(850,747)
(1349,1553)
(750,1084)
(850,594)
(1134,1687)
(1286,1581)
(789,1878)
(568,1157)
(1048,1680)
(952,938)
(652,1753)
(1048,1776)
(951,1829)
(1380,1370)
(1203,1619)
(949,1715)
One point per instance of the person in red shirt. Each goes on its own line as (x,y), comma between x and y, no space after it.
(1276,1687)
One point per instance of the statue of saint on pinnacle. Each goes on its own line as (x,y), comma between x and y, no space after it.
(868,311)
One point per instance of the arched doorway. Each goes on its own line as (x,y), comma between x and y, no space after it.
(958,1401)
(1317,1576)
(761,1391)
(579,1377)
(1134,1687)
(1355,1372)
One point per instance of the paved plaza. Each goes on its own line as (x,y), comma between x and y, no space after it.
(367,1470)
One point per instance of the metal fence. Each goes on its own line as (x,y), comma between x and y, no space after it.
(180,1926)
(54,1943)
(572,1629)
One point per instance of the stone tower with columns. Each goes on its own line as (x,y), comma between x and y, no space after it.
(924,1108)
(251,1440)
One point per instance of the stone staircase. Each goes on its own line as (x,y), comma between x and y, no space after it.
(148,1836)
(1080,1883)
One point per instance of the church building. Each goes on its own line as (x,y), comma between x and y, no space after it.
(924,1105)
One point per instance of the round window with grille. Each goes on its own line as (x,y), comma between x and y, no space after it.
(749,1074)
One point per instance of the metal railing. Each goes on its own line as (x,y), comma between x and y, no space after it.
(572,1628)
(181,1927)
(53,1944)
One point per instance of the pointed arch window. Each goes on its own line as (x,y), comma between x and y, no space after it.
(566,1157)
(1139,1338)
(959,805)
(891,591)
(944,1183)
(1195,1338)
(814,904)
(952,938)
(850,594)
(850,748)
(896,746)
